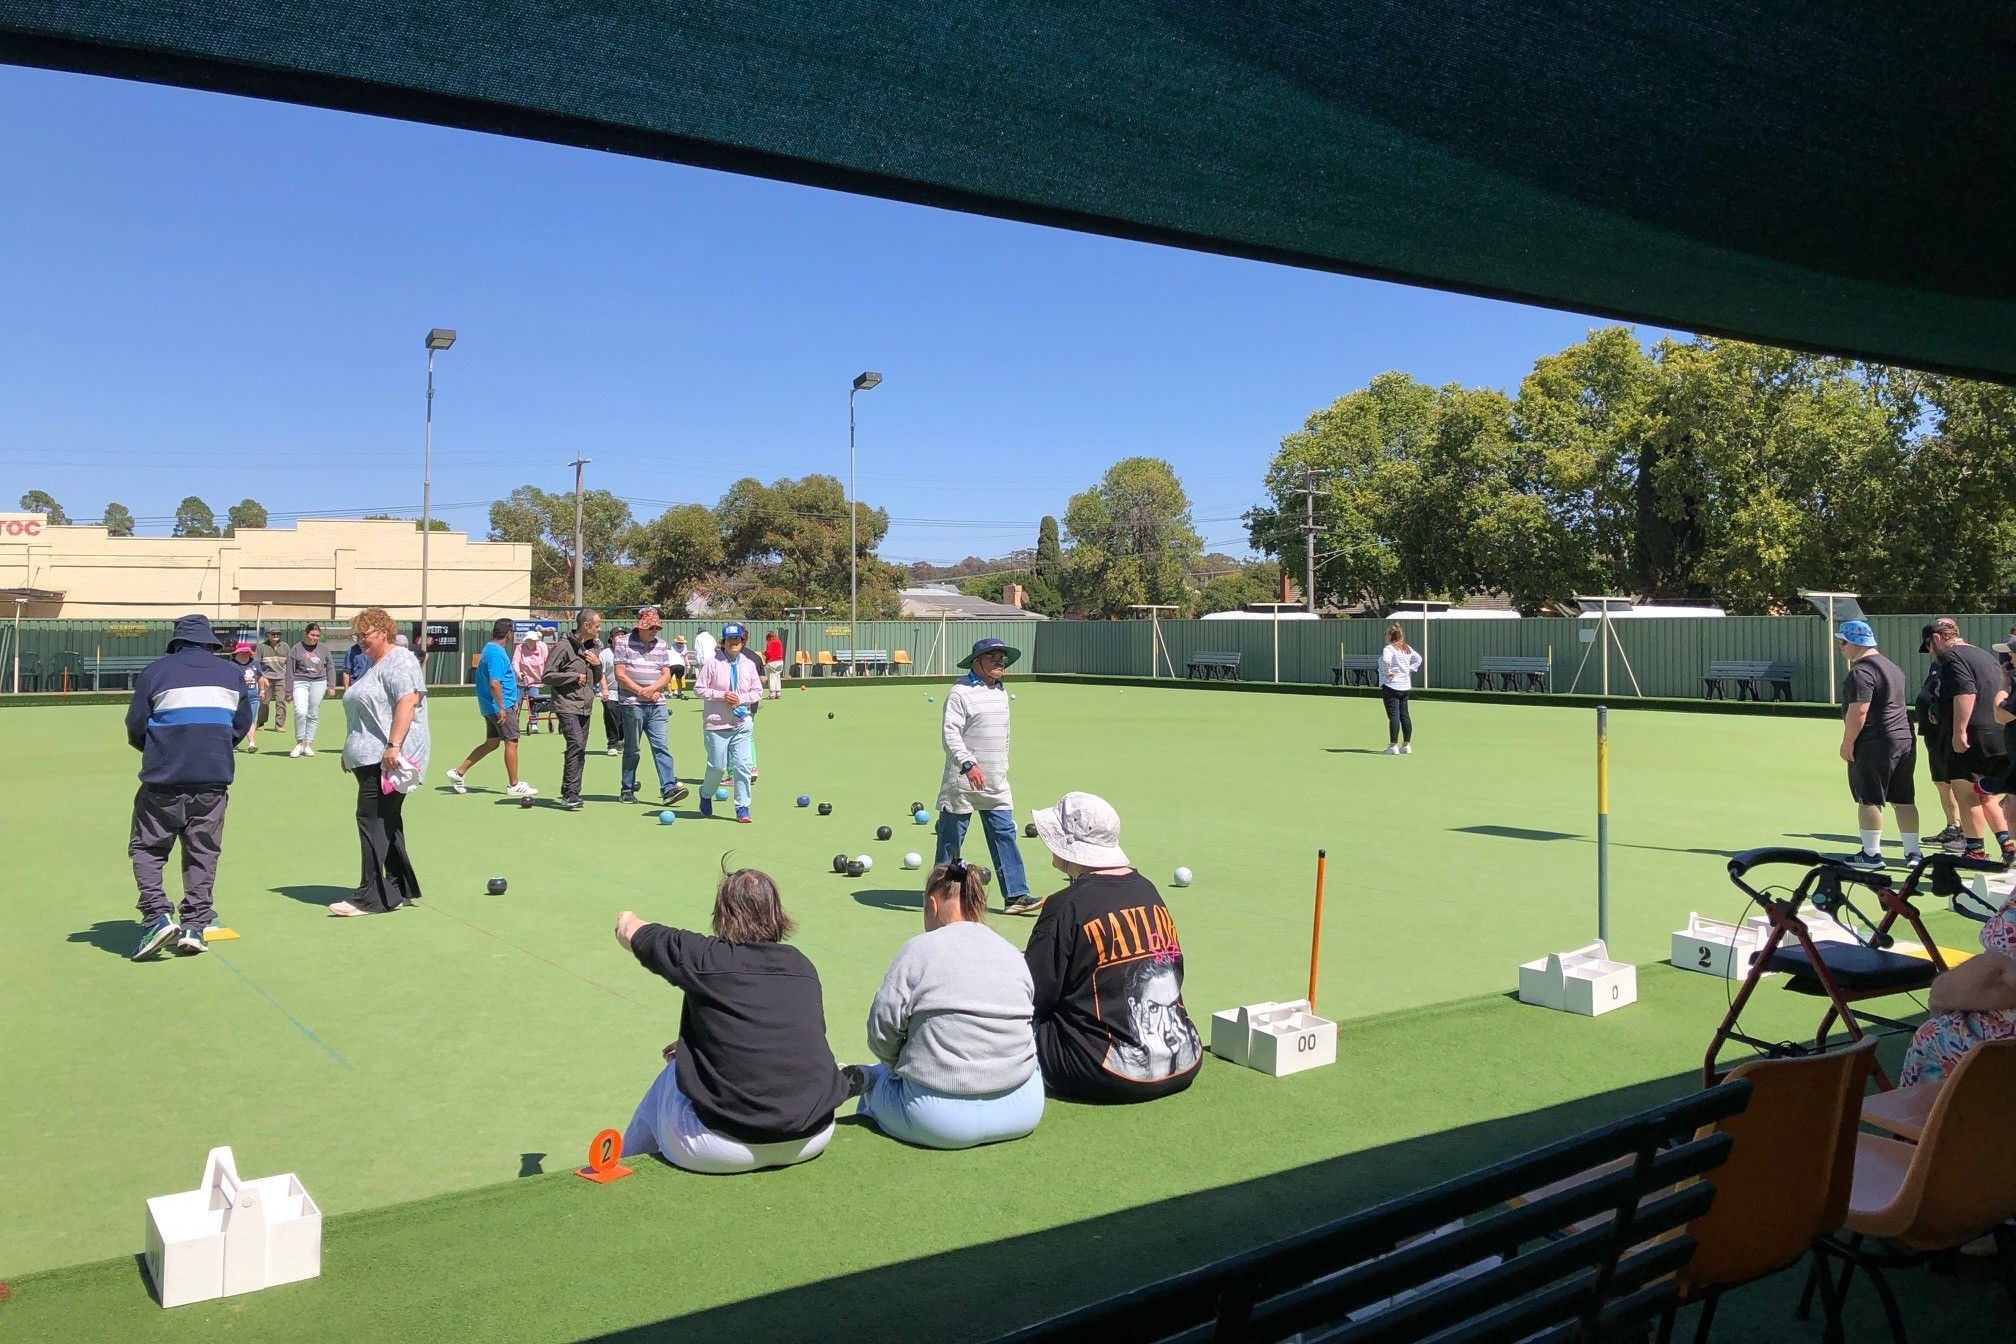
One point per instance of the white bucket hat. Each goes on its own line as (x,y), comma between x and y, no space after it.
(1082,828)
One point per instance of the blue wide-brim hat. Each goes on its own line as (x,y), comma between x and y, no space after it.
(990,646)
(195,630)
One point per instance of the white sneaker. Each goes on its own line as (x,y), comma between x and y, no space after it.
(521,790)
(613,752)
(307,750)
(455,782)
(1406,748)
(297,750)
(1390,751)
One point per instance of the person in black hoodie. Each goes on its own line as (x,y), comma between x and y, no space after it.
(188,714)
(751,1081)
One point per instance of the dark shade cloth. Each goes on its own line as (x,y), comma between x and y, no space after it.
(160,818)
(1108,971)
(388,880)
(753,1057)
(1722,168)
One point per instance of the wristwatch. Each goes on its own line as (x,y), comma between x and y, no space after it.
(965,766)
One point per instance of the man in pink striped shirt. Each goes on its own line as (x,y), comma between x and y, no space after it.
(730,687)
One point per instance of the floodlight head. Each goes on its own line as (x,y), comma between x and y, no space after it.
(866,381)
(440,338)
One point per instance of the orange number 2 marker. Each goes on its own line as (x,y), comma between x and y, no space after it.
(602,1165)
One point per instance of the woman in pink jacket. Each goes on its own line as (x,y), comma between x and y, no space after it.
(730,688)
(529,662)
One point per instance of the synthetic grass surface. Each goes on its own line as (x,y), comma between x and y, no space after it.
(437,1054)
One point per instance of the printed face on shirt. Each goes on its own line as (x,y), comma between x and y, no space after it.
(1168,1044)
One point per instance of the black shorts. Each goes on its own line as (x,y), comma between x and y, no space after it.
(1982,760)
(504,728)
(1884,773)
(1939,757)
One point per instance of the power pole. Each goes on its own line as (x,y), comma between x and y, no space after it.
(1309,531)
(577,464)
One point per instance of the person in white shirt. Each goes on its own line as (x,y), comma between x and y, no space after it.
(703,648)
(1397,665)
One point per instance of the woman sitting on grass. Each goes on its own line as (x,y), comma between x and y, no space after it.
(950,1026)
(750,1083)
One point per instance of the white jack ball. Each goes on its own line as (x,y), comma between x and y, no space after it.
(865,862)
(913,860)
(1182,877)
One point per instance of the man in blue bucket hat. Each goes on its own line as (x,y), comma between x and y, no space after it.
(1878,745)
(975,735)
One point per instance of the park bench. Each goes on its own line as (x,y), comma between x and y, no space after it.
(1362,667)
(1746,678)
(869,660)
(1215,666)
(1473,1258)
(125,665)
(1514,673)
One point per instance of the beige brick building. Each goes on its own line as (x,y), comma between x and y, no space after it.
(317,568)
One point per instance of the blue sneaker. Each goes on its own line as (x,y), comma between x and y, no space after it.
(706,804)
(741,814)
(154,936)
(190,942)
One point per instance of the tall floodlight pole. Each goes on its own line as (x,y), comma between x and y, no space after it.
(862,383)
(577,464)
(441,338)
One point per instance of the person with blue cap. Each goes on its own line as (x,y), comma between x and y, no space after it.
(1878,745)
(188,714)
(730,687)
(975,735)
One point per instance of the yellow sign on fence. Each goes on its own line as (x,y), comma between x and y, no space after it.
(126,631)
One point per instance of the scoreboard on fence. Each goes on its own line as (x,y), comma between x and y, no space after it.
(442,636)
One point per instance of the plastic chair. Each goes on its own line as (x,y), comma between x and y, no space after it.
(1955,1184)
(899,662)
(800,662)
(826,662)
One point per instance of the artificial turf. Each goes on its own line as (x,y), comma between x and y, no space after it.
(421,1070)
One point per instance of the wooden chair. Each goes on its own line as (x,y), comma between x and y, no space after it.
(1955,1184)
(1785,1184)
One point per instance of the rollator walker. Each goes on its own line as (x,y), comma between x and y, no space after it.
(1842,973)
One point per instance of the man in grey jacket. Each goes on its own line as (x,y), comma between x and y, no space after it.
(975,735)
(574,677)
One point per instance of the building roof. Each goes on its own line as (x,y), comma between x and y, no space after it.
(931,602)
(1733,169)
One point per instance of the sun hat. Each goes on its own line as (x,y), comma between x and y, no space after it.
(533,636)
(194,630)
(991,645)
(1082,828)
(240,647)
(1857,633)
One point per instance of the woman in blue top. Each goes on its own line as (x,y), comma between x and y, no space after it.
(248,670)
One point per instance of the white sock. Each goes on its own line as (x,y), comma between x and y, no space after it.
(1872,842)
(1912,849)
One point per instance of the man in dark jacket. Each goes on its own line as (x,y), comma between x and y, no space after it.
(574,677)
(188,714)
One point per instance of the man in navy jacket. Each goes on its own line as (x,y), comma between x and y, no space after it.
(188,715)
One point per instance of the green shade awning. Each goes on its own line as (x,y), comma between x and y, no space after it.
(1842,179)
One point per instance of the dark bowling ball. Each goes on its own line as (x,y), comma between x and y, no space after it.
(915,808)
(854,868)
(839,863)
(883,832)
(825,809)
(986,877)
(497,885)
(1030,830)
(829,713)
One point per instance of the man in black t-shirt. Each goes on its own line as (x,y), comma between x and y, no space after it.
(1937,750)
(1876,742)
(1970,689)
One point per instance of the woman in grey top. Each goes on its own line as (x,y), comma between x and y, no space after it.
(951,1027)
(386,751)
(309,668)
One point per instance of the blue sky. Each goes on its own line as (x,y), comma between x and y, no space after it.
(224,297)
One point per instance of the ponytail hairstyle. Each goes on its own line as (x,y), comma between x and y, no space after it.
(1398,638)
(963,878)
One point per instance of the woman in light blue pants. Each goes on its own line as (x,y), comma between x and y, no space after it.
(950,1029)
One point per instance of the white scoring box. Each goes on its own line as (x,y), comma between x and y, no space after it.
(1276,1038)
(229,1236)
(1584,981)
(1719,947)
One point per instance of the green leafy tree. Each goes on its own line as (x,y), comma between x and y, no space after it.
(1132,541)
(40,501)
(245,513)
(544,520)
(1049,551)
(674,552)
(433,524)
(118,520)
(785,544)
(1249,584)
(193,518)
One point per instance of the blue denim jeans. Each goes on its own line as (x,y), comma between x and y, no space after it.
(999,824)
(903,1110)
(730,751)
(649,721)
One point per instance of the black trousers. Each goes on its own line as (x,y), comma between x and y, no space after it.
(612,724)
(574,728)
(1399,723)
(388,880)
(159,817)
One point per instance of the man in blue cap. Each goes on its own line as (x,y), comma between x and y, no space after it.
(1877,744)
(188,714)
(975,733)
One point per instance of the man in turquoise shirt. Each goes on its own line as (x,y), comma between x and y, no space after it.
(497,698)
